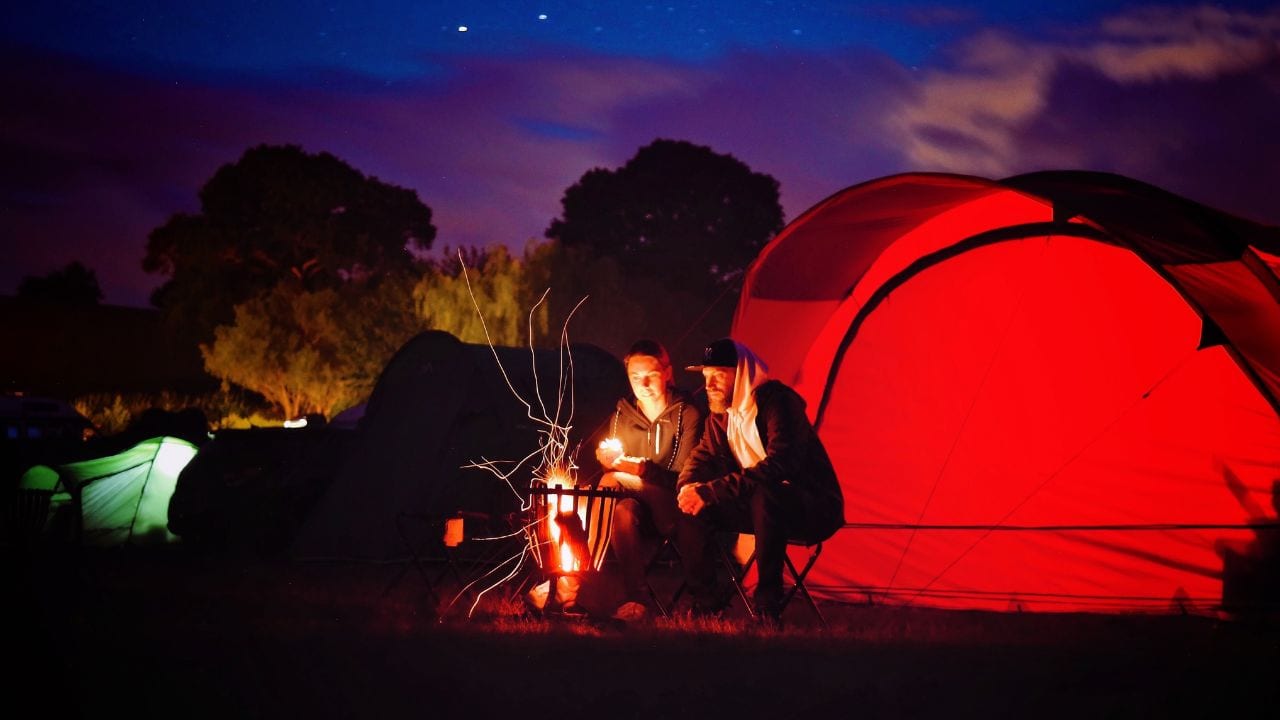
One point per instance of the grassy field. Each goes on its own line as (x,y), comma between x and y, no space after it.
(175,635)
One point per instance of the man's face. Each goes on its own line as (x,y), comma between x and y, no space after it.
(648,377)
(719,383)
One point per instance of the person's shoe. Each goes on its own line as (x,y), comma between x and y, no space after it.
(710,608)
(769,609)
(535,601)
(573,611)
(769,619)
(631,611)
(712,603)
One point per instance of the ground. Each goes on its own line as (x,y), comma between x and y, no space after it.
(180,635)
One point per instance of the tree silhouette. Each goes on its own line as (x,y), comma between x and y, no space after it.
(622,305)
(277,213)
(676,210)
(74,284)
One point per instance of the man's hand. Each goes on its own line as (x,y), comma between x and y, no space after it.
(690,502)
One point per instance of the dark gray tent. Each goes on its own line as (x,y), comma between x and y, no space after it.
(439,405)
(251,488)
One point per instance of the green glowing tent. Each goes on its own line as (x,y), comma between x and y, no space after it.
(120,499)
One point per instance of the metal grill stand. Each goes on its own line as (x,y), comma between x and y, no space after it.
(569,529)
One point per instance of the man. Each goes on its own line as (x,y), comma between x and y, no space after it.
(759,468)
(651,435)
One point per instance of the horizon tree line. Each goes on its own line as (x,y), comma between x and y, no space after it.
(299,277)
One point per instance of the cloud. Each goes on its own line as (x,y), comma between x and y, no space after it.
(1202,42)
(92,159)
(95,158)
(1182,98)
(814,122)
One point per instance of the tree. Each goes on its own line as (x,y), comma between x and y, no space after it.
(313,350)
(281,213)
(675,210)
(620,305)
(74,284)
(505,289)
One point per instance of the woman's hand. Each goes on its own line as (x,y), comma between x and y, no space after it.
(621,481)
(608,452)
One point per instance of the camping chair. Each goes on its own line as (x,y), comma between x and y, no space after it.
(430,538)
(666,556)
(738,574)
(451,542)
(26,514)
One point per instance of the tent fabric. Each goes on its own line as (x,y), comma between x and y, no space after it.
(250,488)
(120,499)
(441,404)
(1052,392)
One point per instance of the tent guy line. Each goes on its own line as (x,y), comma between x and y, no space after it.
(996,353)
(1158,527)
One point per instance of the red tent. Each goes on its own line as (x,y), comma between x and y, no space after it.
(1052,392)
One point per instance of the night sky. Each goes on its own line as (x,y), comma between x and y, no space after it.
(115,113)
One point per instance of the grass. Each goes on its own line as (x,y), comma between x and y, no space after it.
(173,634)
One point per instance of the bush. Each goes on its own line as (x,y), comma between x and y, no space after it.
(113,413)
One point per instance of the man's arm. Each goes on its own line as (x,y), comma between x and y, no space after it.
(703,462)
(786,436)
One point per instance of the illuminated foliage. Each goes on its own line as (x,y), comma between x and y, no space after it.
(311,351)
(505,289)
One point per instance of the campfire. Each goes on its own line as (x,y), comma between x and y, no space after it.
(569,529)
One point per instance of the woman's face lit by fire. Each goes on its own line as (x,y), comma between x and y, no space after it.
(649,377)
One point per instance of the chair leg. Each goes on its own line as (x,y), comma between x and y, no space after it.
(648,586)
(731,568)
(415,549)
(434,528)
(736,576)
(667,546)
(799,586)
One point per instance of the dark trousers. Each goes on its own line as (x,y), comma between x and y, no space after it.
(771,513)
(639,521)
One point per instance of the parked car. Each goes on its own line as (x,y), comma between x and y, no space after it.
(27,418)
(36,430)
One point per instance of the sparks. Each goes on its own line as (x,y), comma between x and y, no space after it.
(554,461)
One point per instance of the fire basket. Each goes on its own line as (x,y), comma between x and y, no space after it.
(569,529)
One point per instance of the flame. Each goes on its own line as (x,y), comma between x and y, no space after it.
(558,508)
(612,443)
(553,451)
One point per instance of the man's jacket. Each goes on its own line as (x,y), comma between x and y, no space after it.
(793,454)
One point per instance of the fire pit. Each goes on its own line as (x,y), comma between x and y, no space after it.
(569,530)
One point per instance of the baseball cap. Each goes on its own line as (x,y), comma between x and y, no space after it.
(722,353)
